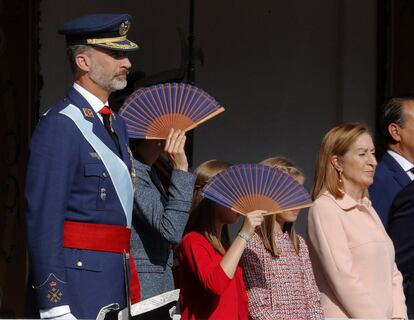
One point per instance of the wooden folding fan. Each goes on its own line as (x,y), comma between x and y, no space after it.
(151,112)
(247,187)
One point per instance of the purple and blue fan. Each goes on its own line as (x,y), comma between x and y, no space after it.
(248,187)
(151,112)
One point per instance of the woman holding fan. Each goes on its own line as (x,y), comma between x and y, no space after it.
(160,214)
(211,281)
(276,267)
(157,118)
(352,255)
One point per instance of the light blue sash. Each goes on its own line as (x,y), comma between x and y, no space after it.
(117,169)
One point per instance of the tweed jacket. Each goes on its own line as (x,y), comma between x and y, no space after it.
(280,287)
(353,260)
(158,224)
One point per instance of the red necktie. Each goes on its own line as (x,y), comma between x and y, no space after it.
(106,113)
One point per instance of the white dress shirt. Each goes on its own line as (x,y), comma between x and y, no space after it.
(403,162)
(93,100)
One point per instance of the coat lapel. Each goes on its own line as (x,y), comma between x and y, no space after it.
(398,173)
(123,143)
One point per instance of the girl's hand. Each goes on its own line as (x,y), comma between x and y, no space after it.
(251,221)
(232,257)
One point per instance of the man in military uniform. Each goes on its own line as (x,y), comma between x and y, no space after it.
(78,187)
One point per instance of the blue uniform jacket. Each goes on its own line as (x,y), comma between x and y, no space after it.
(66,180)
(389,179)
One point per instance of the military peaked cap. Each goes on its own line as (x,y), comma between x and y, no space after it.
(101,30)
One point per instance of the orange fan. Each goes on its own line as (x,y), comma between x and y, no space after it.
(151,112)
(248,187)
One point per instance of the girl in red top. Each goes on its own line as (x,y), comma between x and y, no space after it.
(211,281)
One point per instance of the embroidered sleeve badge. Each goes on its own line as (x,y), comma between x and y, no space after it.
(54,294)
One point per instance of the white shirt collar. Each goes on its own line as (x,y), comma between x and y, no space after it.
(93,100)
(403,162)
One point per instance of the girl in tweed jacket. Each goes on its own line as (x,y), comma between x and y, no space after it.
(276,267)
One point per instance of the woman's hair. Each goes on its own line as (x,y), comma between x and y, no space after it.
(335,143)
(202,216)
(266,230)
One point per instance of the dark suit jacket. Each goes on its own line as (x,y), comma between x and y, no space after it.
(389,179)
(400,229)
(401,226)
(65,182)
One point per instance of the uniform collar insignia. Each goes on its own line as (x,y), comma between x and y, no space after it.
(87,112)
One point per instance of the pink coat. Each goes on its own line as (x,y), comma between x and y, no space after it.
(353,260)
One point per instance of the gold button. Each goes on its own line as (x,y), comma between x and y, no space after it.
(79,263)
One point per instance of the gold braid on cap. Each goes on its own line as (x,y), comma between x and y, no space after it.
(110,45)
(105,40)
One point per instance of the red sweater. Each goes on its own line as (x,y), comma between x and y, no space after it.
(206,292)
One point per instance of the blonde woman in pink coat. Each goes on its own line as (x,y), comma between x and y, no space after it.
(352,255)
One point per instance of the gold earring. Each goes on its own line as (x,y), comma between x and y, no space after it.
(340,182)
(340,177)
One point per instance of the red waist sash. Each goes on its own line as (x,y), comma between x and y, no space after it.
(103,237)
